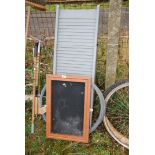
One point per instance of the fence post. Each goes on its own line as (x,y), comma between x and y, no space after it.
(114,21)
(27,23)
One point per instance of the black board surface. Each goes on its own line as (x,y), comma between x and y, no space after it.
(67,107)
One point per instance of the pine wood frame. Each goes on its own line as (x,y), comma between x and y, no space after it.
(35,5)
(85,137)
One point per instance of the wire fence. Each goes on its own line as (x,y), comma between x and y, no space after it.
(43,23)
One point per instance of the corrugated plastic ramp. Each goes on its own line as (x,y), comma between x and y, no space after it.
(75,43)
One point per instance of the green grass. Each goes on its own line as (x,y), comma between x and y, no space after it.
(90,5)
(118,110)
(104,5)
(100,142)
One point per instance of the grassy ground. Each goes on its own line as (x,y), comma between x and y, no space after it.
(118,110)
(100,142)
(104,5)
(91,5)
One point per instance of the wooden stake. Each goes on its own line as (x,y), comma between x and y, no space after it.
(35,109)
(27,24)
(37,82)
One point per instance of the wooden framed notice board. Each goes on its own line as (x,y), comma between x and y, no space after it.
(68,104)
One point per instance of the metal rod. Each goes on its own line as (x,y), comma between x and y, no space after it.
(33,103)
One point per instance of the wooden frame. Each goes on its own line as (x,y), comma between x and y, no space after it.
(84,138)
(69,1)
(35,5)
